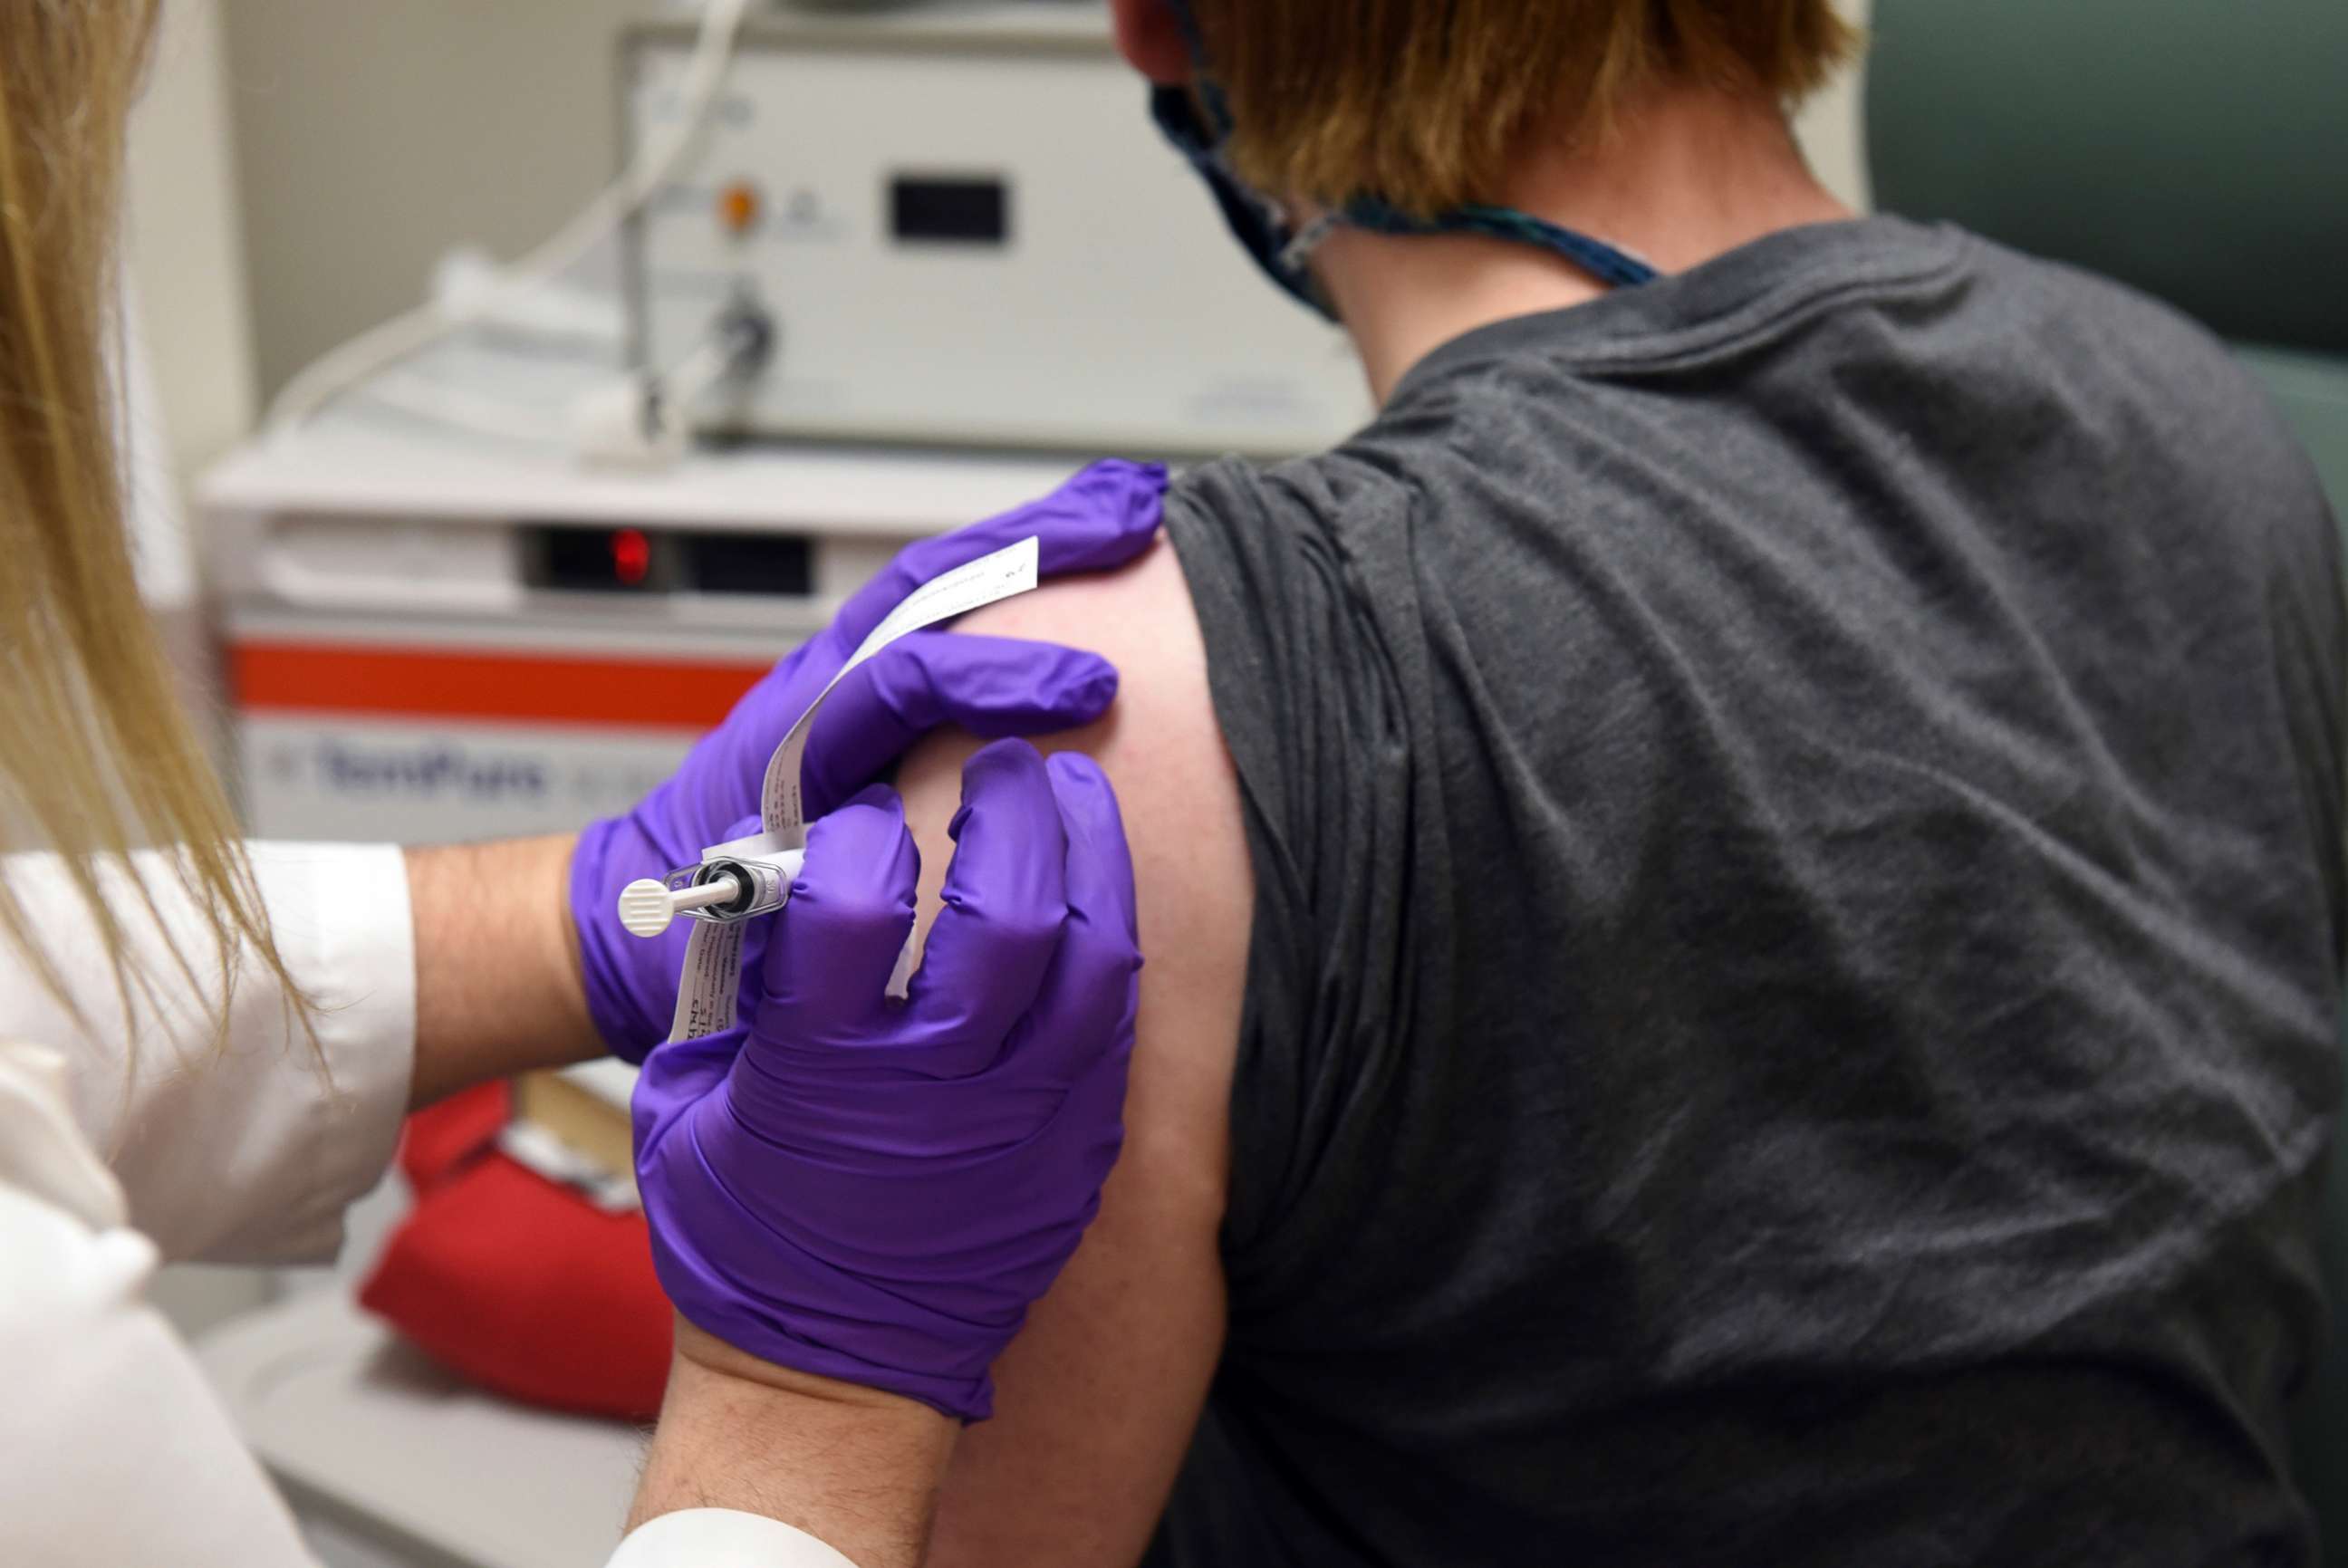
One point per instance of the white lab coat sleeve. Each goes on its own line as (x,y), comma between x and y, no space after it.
(242,1145)
(722,1538)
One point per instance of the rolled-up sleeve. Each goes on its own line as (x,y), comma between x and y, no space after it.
(234,1140)
(722,1538)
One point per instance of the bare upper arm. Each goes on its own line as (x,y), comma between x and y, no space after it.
(1097,1398)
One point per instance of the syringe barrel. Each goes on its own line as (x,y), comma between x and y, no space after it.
(766,884)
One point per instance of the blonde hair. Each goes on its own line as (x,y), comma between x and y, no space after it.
(1421,103)
(97,757)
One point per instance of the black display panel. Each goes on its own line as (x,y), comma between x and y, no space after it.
(595,558)
(958,211)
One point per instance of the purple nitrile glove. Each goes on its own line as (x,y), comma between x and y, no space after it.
(876,1192)
(1101,518)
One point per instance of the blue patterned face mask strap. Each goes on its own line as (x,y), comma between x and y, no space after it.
(1255,222)
(1212,106)
(1609,264)
(1197,121)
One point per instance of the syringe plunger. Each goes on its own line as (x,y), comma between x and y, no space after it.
(646,906)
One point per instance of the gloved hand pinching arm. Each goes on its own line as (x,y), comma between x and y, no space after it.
(1103,517)
(876,1192)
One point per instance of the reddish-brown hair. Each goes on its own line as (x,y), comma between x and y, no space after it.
(1422,102)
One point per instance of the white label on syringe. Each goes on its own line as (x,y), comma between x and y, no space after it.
(713,964)
(706,991)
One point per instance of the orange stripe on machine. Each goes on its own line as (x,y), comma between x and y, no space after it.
(478,683)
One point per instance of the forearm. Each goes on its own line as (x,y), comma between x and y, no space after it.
(498,987)
(853,1467)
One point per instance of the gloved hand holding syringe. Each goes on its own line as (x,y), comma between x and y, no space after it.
(751,876)
(974,1117)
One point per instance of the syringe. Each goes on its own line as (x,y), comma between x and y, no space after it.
(723,890)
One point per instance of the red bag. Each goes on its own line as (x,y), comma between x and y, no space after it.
(521,1283)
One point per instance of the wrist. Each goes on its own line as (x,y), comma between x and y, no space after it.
(714,1223)
(855,1467)
(708,1351)
(624,981)
(498,974)
(566,962)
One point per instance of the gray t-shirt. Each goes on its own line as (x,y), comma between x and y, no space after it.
(1797,816)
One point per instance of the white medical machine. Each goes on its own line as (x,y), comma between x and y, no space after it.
(963,229)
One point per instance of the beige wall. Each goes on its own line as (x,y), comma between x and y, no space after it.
(372,135)
(186,254)
(1830,127)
